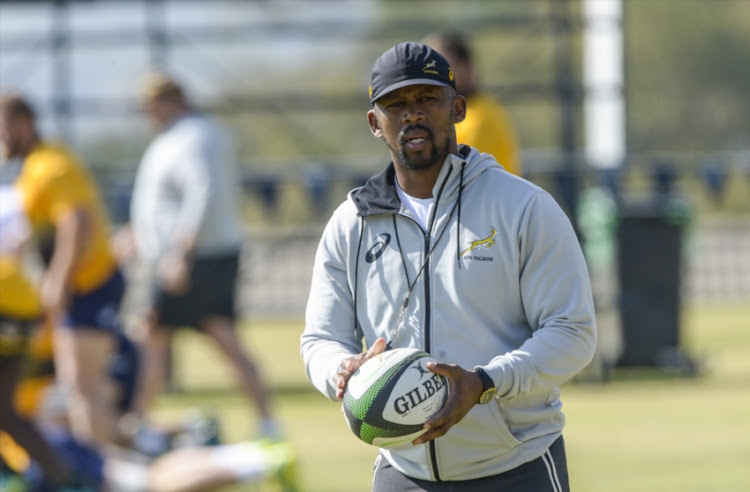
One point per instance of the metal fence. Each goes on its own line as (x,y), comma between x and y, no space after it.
(278,266)
(278,256)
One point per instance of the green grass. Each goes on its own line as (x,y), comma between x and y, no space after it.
(670,434)
(641,431)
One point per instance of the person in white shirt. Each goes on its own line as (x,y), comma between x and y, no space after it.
(185,225)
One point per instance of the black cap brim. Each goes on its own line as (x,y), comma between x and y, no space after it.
(406,83)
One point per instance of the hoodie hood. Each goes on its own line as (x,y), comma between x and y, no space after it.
(474,165)
(378,195)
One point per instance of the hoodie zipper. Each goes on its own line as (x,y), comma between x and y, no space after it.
(427,249)
(428,345)
(428,309)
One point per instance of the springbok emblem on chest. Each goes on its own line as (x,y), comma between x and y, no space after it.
(481,243)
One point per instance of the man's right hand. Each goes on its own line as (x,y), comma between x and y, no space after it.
(349,366)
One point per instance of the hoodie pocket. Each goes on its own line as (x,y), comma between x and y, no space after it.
(502,424)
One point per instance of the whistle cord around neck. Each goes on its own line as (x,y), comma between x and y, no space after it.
(410,284)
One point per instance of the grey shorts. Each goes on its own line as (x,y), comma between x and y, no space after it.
(548,473)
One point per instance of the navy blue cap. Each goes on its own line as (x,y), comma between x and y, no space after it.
(409,64)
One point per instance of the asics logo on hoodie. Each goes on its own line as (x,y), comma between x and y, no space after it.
(376,250)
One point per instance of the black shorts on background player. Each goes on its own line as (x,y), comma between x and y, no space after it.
(211,292)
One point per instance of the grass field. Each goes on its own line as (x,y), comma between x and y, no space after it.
(640,431)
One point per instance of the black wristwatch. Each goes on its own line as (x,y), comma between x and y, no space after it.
(488,386)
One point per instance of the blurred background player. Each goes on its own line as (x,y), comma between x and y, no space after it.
(38,452)
(186,227)
(487,126)
(81,285)
(20,312)
(190,458)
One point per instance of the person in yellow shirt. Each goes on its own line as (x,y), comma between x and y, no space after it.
(20,311)
(20,439)
(487,126)
(36,457)
(82,286)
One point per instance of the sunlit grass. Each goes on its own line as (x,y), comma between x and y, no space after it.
(654,432)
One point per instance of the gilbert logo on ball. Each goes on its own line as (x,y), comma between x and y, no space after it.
(392,395)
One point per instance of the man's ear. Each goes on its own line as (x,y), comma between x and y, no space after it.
(459,108)
(374,124)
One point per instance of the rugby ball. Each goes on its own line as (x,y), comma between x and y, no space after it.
(390,397)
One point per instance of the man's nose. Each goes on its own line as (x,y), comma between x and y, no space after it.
(413,112)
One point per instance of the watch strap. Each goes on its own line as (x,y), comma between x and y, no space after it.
(487,382)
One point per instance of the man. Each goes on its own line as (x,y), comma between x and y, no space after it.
(487,125)
(186,226)
(447,252)
(82,286)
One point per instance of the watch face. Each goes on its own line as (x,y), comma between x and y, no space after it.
(488,386)
(487,396)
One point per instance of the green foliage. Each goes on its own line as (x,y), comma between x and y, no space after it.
(687,74)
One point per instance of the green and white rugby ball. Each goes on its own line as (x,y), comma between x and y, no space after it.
(390,397)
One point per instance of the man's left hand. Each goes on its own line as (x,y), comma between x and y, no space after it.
(465,388)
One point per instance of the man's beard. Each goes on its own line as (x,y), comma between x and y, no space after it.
(434,156)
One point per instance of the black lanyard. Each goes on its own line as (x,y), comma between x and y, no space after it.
(402,311)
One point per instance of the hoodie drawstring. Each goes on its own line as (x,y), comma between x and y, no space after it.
(356,269)
(458,219)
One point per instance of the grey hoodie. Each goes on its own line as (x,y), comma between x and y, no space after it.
(504,286)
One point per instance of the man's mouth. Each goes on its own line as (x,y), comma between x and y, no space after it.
(417,140)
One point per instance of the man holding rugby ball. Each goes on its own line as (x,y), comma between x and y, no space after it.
(447,252)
